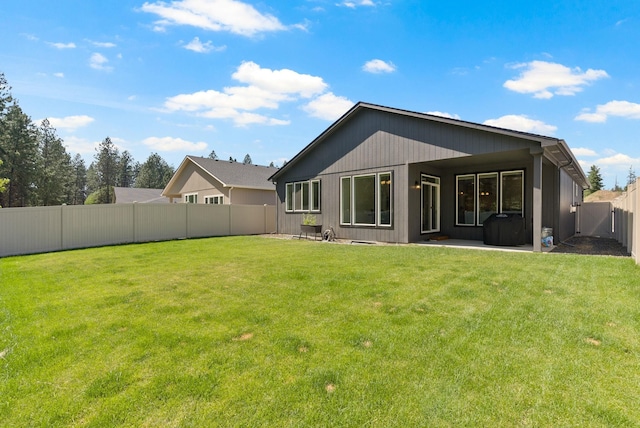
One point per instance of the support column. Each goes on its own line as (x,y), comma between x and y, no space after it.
(537,200)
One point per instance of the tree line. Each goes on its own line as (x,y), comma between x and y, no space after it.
(37,170)
(595,180)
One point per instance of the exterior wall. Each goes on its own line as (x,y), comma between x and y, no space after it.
(193,181)
(252,197)
(45,229)
(569,197)
(378,141)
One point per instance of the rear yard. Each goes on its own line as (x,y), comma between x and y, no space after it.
(248,331)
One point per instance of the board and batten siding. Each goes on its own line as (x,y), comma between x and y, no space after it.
(377,141)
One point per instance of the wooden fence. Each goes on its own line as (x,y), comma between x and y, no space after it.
(626,211)
(44,229)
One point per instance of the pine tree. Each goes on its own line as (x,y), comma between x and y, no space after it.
(78,188)
(247,160)
(595,179)
(155,173)
(19,153)
(631,177)
(106,168)
(127,168)
(54,173)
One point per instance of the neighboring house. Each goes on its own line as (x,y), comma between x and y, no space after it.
(211,181)
(391,175)
(128,195)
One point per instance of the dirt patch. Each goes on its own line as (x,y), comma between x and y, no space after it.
(591,245)
(243,337)
(330,388)
(592,341)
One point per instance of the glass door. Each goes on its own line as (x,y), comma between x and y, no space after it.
(430,204)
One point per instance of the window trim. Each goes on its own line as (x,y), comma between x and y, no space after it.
(214,197)
(351,221)
(475,205)
(185,198)
(500,196)
(304,191)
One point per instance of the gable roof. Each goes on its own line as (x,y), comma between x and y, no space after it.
(128,195)
(555,149)
(230,174)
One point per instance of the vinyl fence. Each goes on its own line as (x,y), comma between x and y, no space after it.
(626,211)
(45,229)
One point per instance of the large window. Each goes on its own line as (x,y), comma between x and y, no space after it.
(512,191)
(480,195)
(215,200)
(487,196)
(466,191)
(191,198)
(302,196)
(366,200)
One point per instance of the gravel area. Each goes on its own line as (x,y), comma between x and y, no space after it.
(591,245)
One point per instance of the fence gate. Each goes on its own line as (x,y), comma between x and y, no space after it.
(596,219)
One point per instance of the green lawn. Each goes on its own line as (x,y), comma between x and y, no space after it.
(250,331)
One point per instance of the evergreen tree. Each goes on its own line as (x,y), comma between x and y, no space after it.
(213,155)
(78,188)
(595,179)
(247,160)
(631,177)
(271,165)
(154,173)
(19,152)
(54,173)
(106,168)
(127,168)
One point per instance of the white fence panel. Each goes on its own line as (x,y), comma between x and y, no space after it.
(160,222)
(45,229)
(96,225)
(30,230)
(208,220)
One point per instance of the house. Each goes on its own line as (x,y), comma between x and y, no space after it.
(211,181)
(391,175)
(128,195)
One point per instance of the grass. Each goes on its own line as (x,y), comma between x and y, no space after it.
(248,331)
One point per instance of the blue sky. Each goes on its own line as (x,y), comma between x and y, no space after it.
(266,77)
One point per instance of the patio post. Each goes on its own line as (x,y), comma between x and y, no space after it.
(537,199)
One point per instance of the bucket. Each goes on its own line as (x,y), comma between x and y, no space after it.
(547,237)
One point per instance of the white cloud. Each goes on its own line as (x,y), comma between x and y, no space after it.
(63,45)
(623,109)
(80,145)
(99,62)
(283,81)
(103,44)
(60,75)
(265,89)
(214,15)
(443,114)
(70,122)
(354,4)
(618,159)
(196,45)
(581,151)
(522,123)
(328,106)
(546,79)
(168,144)
(378,66)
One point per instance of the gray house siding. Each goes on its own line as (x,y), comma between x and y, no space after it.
(376,139)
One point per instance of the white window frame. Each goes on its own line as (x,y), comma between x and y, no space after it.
(521,172)
(305,191)
(475,204)
(214,200)
(377,203)
(193,196)
(433,182)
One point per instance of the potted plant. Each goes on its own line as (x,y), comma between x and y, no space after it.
(309,225)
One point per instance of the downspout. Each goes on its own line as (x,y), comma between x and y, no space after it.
(275,183)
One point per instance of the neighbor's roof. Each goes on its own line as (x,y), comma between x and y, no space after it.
(555,149)
(128,195)
(230,174)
